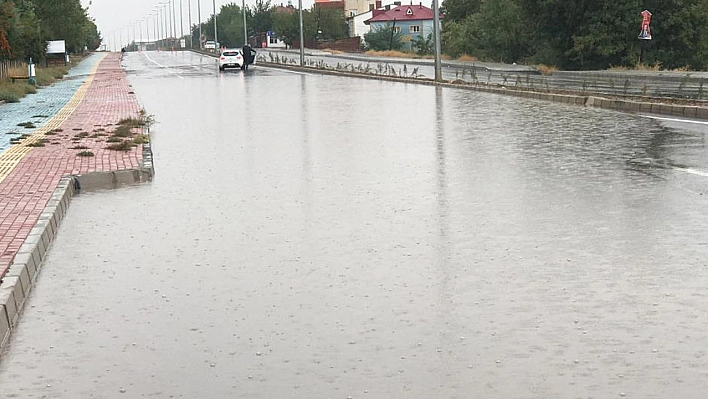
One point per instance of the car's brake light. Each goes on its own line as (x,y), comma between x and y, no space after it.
(223,58)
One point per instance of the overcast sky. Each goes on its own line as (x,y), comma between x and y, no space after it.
(112,16)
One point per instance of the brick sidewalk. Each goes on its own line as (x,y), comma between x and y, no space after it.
(34,173)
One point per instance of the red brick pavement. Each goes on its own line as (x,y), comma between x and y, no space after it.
(26,190)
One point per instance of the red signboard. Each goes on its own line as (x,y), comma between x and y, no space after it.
(645,34)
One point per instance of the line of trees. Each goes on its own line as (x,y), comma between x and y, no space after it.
(577,34)
(318,23)
(27,25)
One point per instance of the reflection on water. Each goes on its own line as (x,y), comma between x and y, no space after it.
(350,238)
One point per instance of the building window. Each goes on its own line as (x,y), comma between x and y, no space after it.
(352,13)
(414,29)
(397,29)
(273,40)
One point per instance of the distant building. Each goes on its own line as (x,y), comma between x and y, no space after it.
(410,20)
(356,17)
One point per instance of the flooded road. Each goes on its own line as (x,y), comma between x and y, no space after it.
(311,236)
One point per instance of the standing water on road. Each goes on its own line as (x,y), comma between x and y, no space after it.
(311,236)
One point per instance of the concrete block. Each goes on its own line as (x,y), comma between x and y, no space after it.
(645,107)
(633,106)
(20,271)
(689,112)
(606,104)
(7,298)
(701,112)
(677,110)
(26,258)
(4,327)
(655,108)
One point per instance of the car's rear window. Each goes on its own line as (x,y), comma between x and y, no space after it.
(230,53)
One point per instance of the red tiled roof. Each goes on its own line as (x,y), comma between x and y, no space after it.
(417,12)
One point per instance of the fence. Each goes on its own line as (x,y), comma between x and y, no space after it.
(7,66)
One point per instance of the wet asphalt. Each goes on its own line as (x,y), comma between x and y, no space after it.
(311,236)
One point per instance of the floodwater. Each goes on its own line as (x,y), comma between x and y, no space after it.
(311,236)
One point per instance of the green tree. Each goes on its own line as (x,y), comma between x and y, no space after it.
(260,17)
(384,37)
(423,45)
(459,10)
(63,20)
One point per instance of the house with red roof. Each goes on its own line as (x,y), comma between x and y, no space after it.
(411,21)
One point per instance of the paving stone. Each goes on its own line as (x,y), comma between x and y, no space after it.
(28,188)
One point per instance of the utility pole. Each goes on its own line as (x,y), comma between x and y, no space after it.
(302,36)
(436,33)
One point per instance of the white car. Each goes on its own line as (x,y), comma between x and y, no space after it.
(210,45)
(231,58)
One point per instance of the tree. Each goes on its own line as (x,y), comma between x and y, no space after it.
(260,17)
(459,10)
(423,45)
(384,37)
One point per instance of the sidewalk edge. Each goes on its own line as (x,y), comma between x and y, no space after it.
(24,268)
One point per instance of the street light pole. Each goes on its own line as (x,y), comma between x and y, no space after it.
(174,20)
(302,37)
(189,14)
(181,22)
(436,33)
(216,37)
(245,31)
(199,18)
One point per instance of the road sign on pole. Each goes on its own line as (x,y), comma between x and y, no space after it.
(645,33)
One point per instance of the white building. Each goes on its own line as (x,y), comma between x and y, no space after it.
(357,27)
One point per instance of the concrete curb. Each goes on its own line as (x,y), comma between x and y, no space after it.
(687,111)
(24,269)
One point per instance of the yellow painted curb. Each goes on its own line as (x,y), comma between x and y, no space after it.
(13,155)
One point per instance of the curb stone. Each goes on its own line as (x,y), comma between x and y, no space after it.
(614,104)
(24,269)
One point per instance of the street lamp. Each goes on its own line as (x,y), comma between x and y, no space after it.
(216,37)
(436,30)
(174,20)
(302,37)
(199,18)
(181,21)
(245,32)
(189,13)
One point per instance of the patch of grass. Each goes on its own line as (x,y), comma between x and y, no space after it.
(141,139)
(124,145)
(85,154)
(79,147)
(546,70)
(27,125)
(467,58)
(77,129)
(40,116)
(50,133)
(9,96)
(123,131)
(38,143)
(58,130)
(114,140)
(81,135)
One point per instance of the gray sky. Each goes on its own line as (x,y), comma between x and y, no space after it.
(113,16)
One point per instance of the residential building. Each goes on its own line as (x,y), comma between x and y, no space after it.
(410,20)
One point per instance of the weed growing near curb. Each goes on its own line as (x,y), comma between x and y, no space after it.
(85,154)
(124,145)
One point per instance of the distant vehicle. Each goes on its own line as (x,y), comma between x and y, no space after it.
(231,58)
(210,45)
